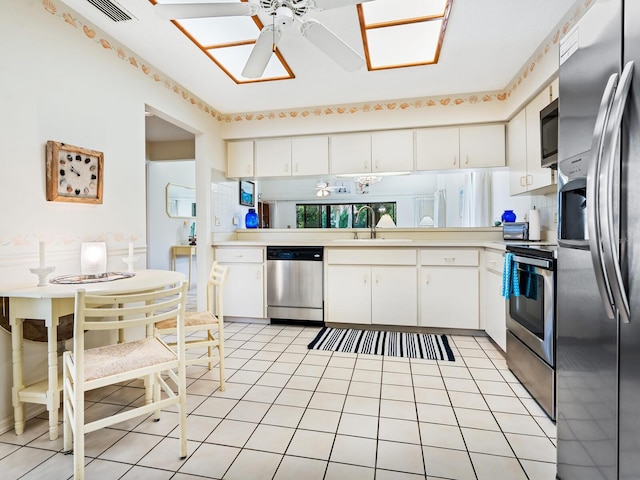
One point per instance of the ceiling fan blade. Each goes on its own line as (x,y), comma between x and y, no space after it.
(332,45)
(261,53)
(327,4)
(176,11)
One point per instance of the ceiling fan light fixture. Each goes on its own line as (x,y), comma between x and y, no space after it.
(367,180)
(283,16)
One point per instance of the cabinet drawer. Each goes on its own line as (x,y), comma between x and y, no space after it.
(240,255)
(373,256)
(494,261)
(456,257)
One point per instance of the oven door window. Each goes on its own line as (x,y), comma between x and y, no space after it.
(528,308)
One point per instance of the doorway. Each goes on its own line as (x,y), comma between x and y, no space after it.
(170,167)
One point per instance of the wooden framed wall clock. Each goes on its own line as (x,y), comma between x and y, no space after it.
(74,174)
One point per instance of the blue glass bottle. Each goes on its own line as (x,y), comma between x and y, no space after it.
(508,216)
(251,219)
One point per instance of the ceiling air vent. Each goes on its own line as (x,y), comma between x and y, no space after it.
(112,10)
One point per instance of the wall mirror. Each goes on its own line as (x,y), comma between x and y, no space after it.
(181,201)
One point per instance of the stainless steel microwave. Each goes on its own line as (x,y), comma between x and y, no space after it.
(549,135)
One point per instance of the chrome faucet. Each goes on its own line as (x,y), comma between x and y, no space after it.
(372,223)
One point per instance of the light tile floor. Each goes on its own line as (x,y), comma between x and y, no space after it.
(293,413)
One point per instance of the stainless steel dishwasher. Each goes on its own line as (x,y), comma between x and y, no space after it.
(294,284)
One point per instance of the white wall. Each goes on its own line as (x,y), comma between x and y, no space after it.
(58,83)
(164,231)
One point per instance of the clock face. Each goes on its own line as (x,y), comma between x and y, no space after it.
(77,175)
(74,174)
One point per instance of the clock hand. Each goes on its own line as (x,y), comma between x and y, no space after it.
(74,171)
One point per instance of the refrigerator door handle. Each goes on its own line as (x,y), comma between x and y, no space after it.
(593,196)
(610,146)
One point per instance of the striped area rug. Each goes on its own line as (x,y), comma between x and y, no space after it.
(393,344)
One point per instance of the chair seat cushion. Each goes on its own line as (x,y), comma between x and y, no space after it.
(124,357)
(191,319)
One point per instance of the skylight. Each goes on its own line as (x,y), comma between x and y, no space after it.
(395,34)
(228,41)
(403,34)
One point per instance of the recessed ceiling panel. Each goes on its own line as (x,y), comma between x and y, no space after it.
(402,45)
(385,11)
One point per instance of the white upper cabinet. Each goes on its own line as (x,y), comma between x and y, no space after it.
(350,153)
(482,146)
(525,172)
(437,148)
(297,156)
(310,156)
(460,147)
(376,152)
(240,159)
(392,151)
(517,153)
(273,157)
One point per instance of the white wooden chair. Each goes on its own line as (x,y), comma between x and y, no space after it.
(205,329)
(150,359)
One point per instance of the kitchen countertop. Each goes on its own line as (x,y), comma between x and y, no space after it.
(377,243)
(481,237)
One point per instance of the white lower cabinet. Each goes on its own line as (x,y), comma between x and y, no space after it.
(493,313)
(371,286)
(244,291)
(348,294)
(449,289)
(394,290)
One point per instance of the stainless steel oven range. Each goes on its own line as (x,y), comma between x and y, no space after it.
(531,332)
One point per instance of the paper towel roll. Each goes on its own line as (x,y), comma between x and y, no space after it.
(534,224)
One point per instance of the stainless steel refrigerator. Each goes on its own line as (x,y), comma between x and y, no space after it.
(598,296)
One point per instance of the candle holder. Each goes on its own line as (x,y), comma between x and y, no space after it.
(130,261)
(42,273)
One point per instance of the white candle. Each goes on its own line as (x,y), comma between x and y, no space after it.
(130,250)
(41,252)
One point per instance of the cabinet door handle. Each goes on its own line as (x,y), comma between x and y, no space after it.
(449,259)
(428,279)
(377,167)
(366,165)
(286,167)
(248,169)
(377,278)
(455,160)
(466,160)
(296,168)
(523,182)
(529,179)
(258,275)
(366,278)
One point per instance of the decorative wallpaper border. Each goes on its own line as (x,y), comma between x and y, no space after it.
(156,76)
(27,242)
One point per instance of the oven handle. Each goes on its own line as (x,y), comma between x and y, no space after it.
(594,213)
(536,262)
(610,246)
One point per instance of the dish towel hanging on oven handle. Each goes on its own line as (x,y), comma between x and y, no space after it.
(510,281)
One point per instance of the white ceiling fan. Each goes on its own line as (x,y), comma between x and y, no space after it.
(283,14)
(324,189)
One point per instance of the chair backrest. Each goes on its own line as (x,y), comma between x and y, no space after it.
(215,288)
(123,311)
